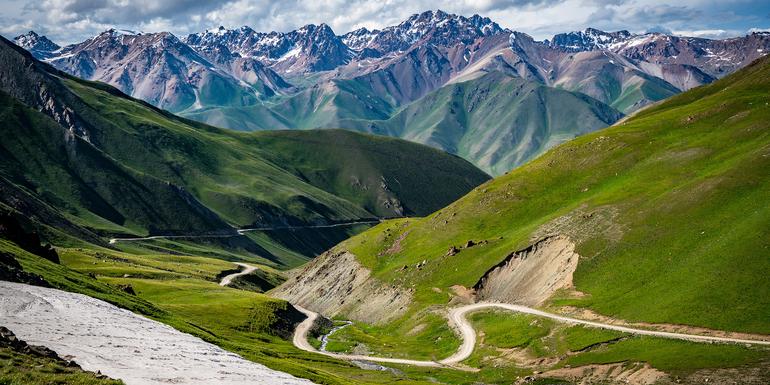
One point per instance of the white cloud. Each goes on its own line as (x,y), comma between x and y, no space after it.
(709,33)
(67,21)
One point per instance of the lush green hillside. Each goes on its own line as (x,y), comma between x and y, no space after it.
(667,214)
(668,211)
(495,121)
(112,164)
(182,291)
(321,105)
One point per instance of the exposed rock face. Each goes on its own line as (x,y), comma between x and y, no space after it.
(335,283)
(716,58)
(402,63)
(530,276)
(11,270)
(157,68)
(8,339)
(430,27)
(27,80)
(38,45)
(11,229)
(362,79)
(309,49)
(590,39)
(623,373)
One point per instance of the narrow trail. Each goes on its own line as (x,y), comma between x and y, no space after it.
(247,269)
(468,335)
(240,232)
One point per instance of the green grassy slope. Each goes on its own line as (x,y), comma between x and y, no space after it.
(319,105)
(19,368)
(113,164)
(182,291)
(668,209)
(495,121)
(334,160)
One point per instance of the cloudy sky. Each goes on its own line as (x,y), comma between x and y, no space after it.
(68,21)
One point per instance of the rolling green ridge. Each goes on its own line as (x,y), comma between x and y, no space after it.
(495,121)
(321,105)
(667,209)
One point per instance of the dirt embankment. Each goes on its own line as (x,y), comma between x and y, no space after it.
(335,283)
(621,373)
(530,276)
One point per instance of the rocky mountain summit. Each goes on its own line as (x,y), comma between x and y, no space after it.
(311,48)
(714,57)
(588,40)
(430,27)
(40,46)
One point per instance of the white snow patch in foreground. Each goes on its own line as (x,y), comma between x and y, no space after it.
(121,344)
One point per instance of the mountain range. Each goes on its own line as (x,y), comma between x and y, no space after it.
(368,80)
(84,161)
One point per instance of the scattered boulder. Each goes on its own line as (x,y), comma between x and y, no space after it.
(127,288)
(11,270)
(11,229)
(9,340)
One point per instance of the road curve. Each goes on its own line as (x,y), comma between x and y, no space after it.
(247,269)
(300,341)
(468,335)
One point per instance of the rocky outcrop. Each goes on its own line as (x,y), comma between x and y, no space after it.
(39,46)
(12,271)
(335,283)
(9,340)
(530,276)
(32,83)
(11,229)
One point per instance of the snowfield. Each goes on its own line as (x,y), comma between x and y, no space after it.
(121,344)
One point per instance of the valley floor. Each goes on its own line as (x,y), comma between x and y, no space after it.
(457,317)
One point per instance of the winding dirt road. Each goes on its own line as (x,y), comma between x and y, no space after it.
(247,269)
(239,232)
(468,335)
(301,342)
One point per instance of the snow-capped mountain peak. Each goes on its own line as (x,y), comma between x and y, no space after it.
(589,40)
(40,46)
(434,27)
